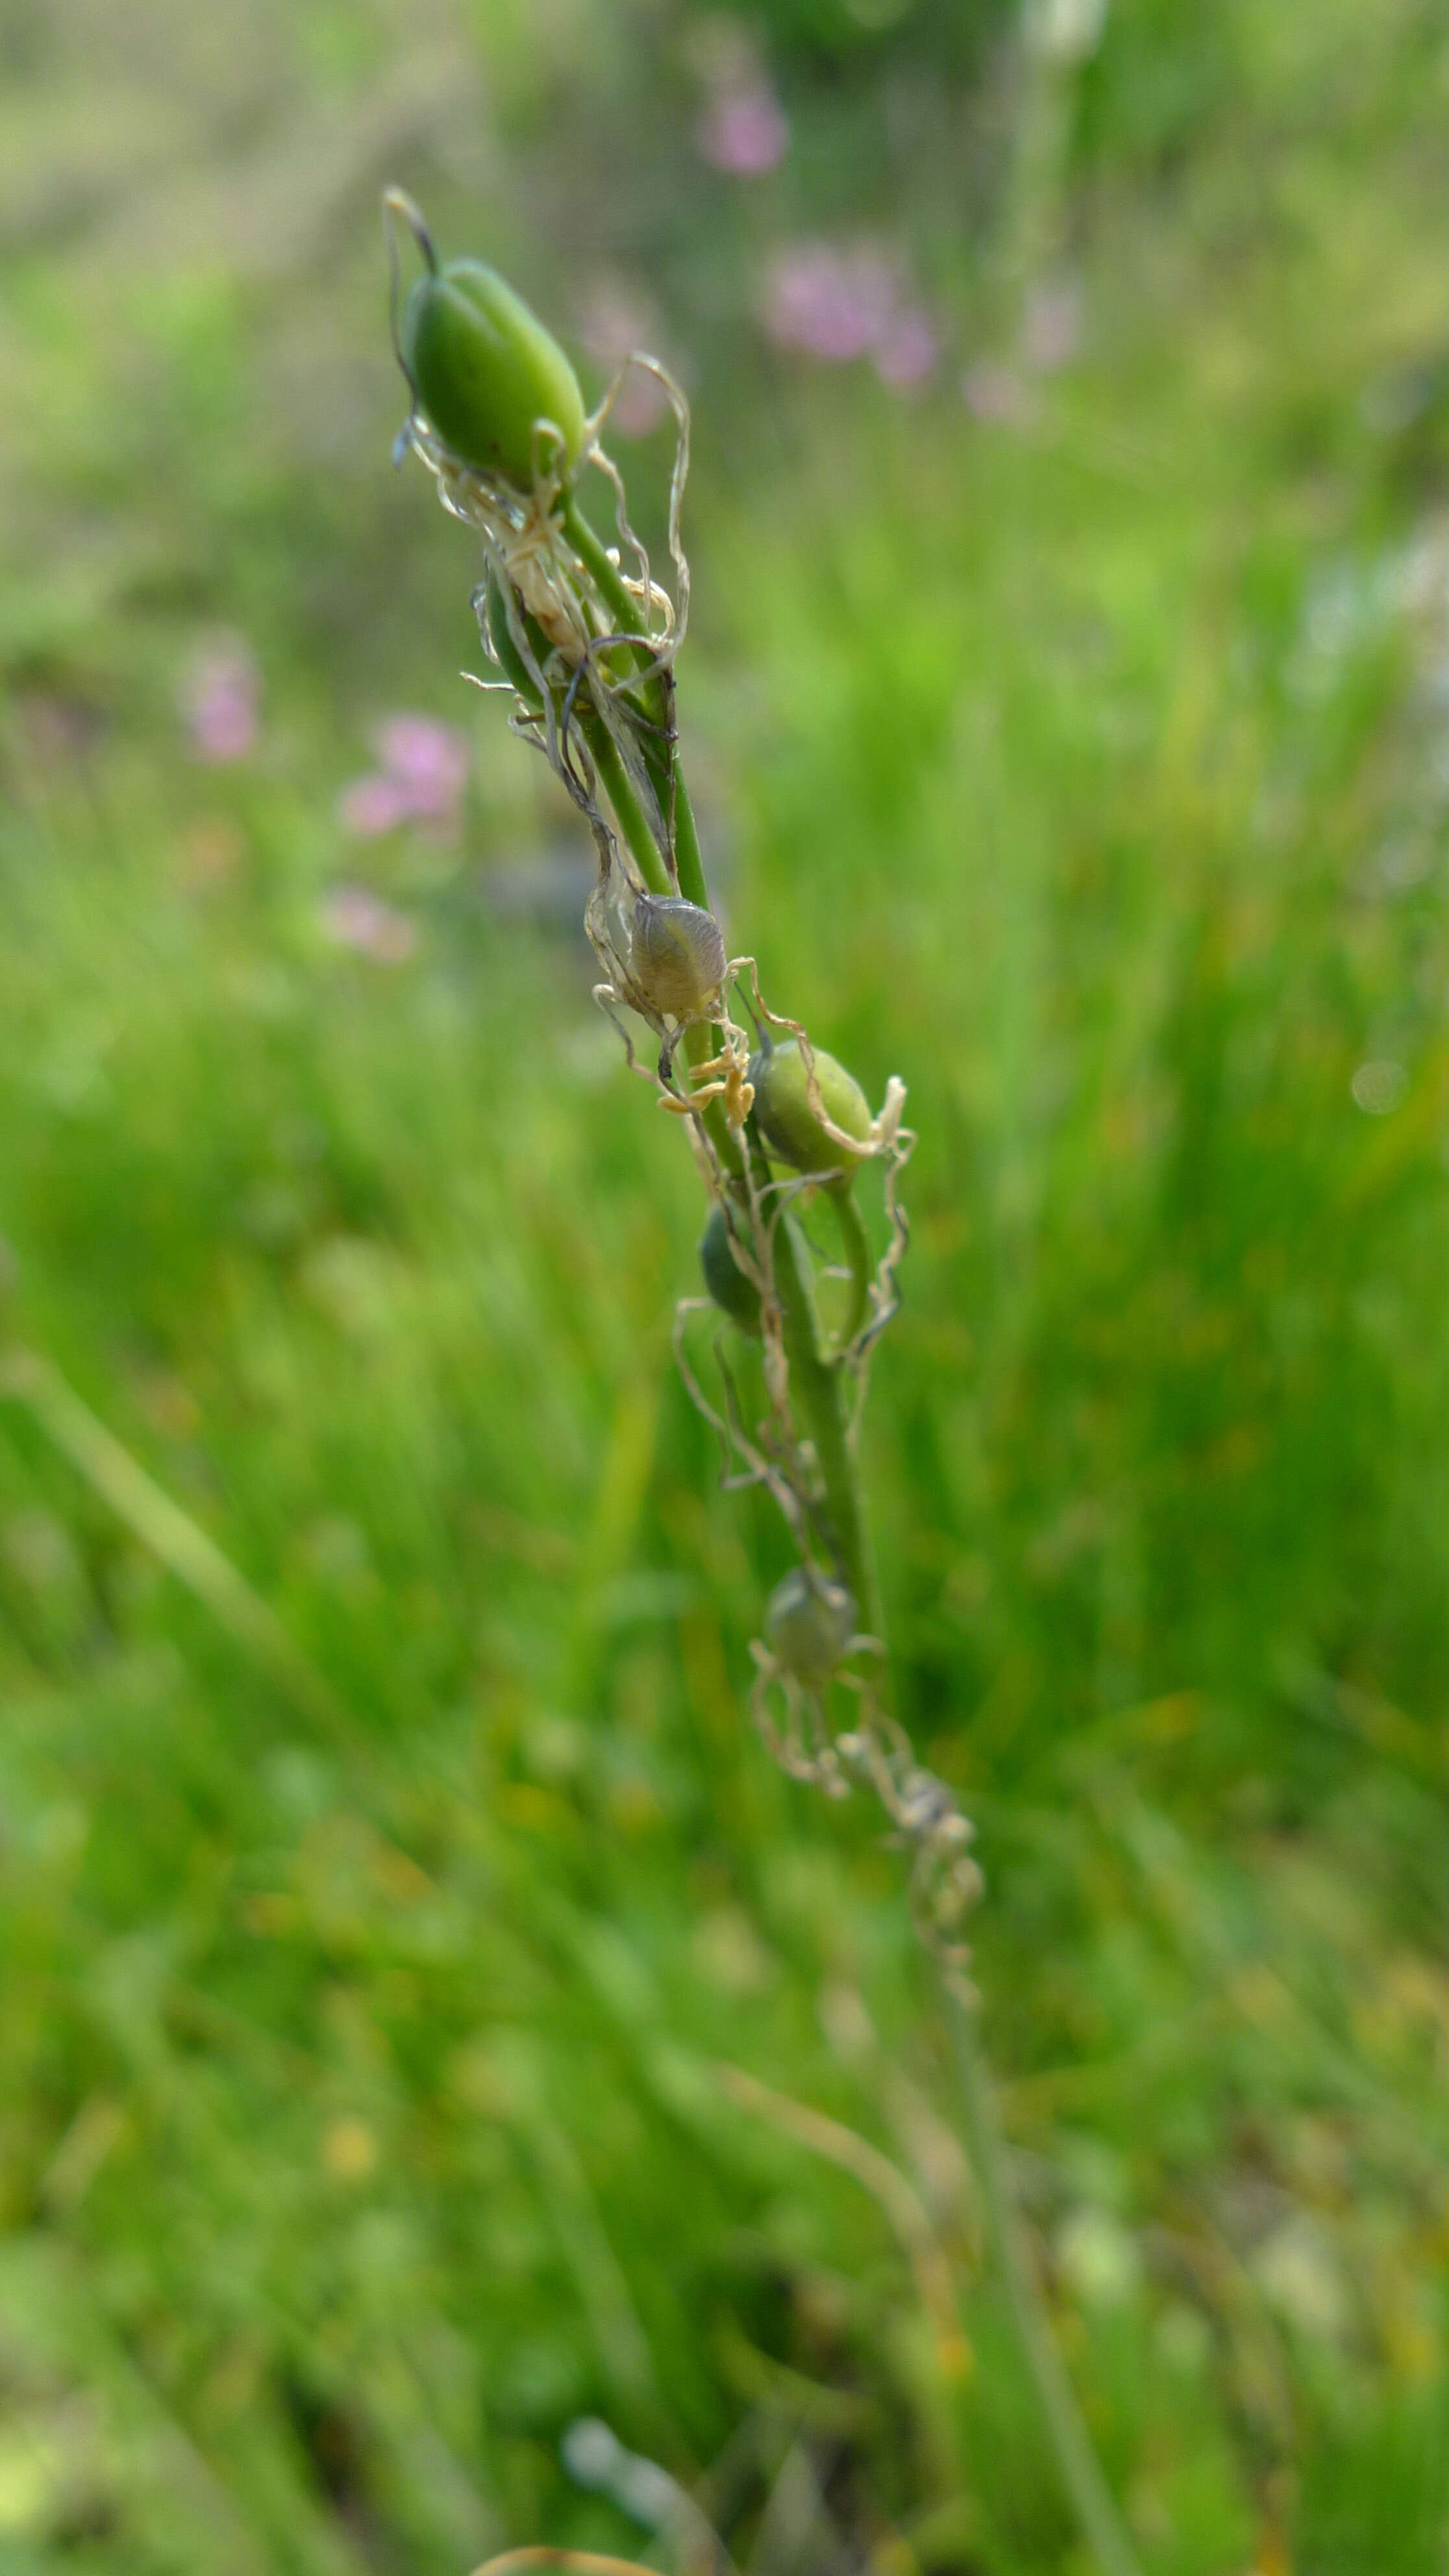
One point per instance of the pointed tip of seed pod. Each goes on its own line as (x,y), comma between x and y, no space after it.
(396,201)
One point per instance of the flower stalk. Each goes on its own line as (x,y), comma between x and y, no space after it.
(585,650)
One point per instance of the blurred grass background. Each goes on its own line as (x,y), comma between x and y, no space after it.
(1071,727)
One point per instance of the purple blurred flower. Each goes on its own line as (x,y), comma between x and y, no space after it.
(424,769)
(356,919)
(833,304)
(1051,329)
(373,805)
(428,760)
(219,702)
(842,304)
(744,130)
(997,394)
(905,353)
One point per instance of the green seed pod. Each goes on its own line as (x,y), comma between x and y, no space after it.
(676,955)
(734,1294)
(786,1120)
(482,367)
(808,1624)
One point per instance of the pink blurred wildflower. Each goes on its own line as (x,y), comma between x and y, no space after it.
(997,394)
(428,760)
(220,701)
(837,304)
(423,771)
(833,304)
(354,918)
(373,805)
(744,129)
(1051,328)
(905,353)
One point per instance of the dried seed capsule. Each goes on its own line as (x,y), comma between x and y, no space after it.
(482,367)
(676,955)
(809,1623)
(787,1122)
(734,1294)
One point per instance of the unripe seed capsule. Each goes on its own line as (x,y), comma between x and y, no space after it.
(809,1624)
(481,365)
(677,955)
(734,1293)
(786,1119)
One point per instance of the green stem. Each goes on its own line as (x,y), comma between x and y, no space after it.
(821,1392)
(688,858)
(606,576)
(1077,2462)
(665,771)
(857,1253)
(821,1389)
(633,824)
(629,813)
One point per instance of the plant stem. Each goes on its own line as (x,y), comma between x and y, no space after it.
(594,555)
(822,1392)
(688,858)
(1077,2462)
(857,1253)
(609,582)
(820,1384)
(628,811)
